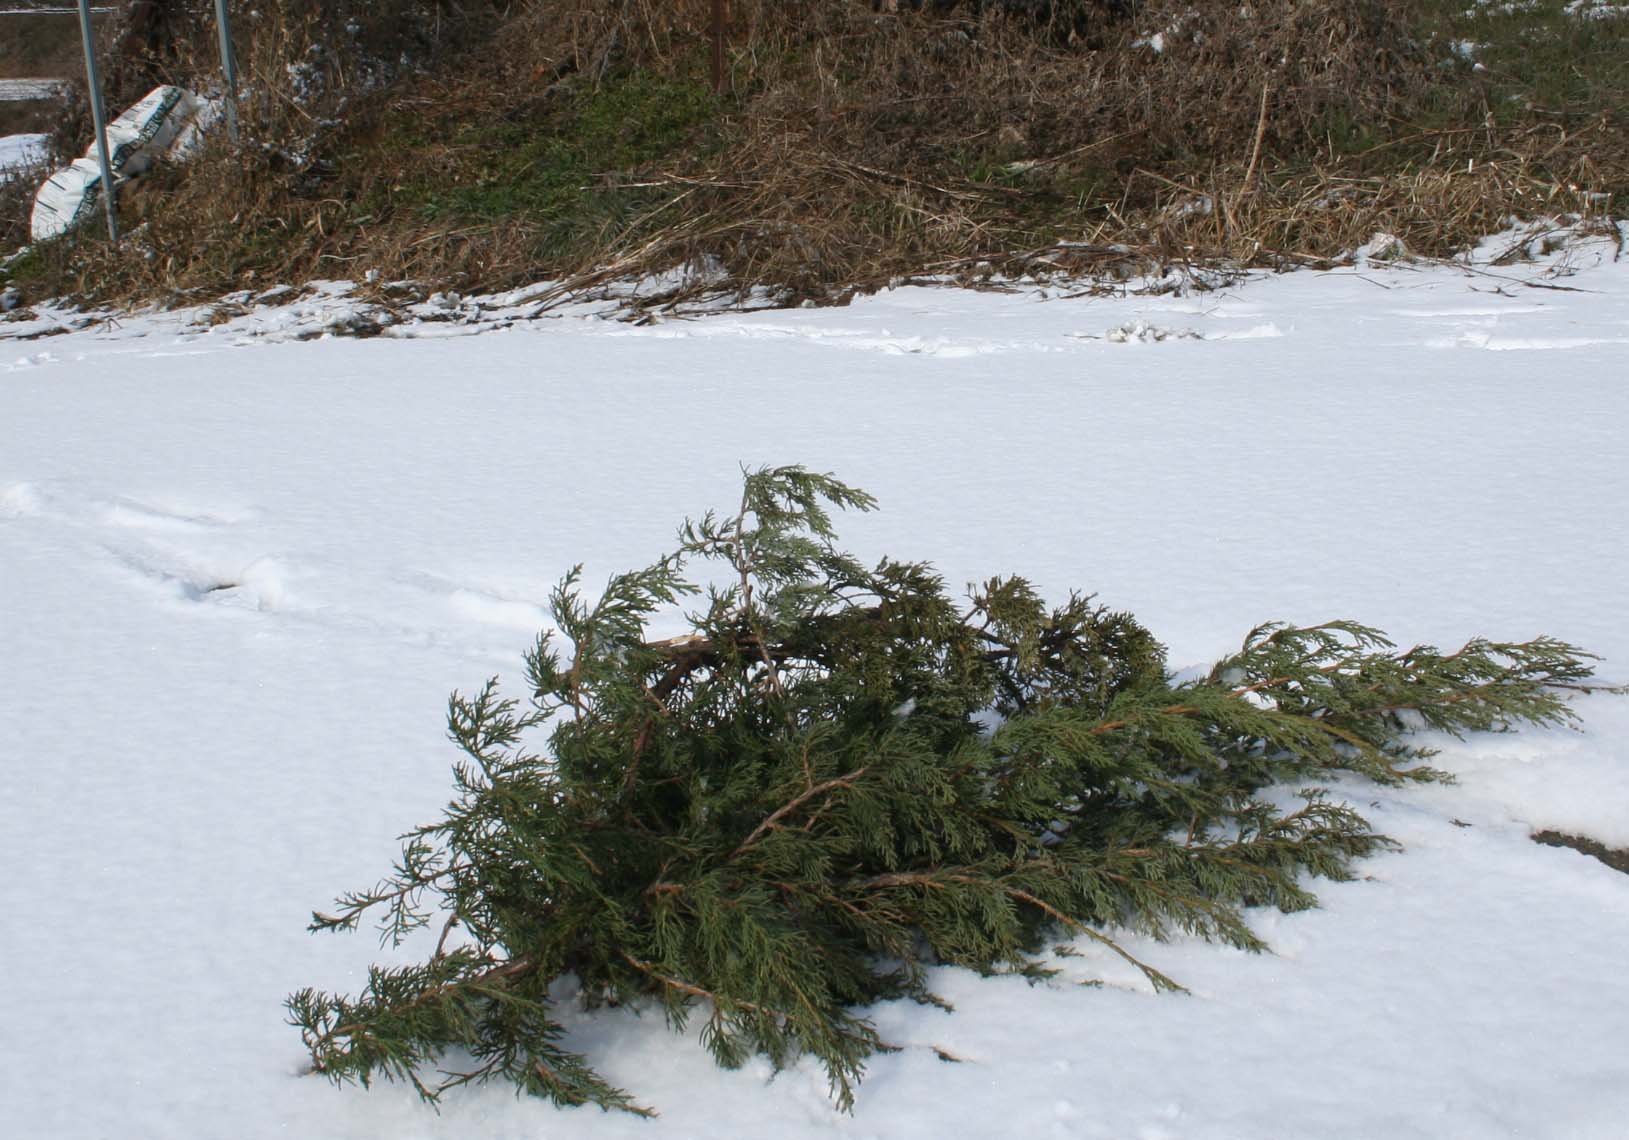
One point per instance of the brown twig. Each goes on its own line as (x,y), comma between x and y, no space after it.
(696,991)
(1255,148)
(774,818)
(1052,912)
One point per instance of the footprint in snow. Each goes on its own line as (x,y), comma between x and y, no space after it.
(136,513)
(19,500)
(256,584)
(494,606)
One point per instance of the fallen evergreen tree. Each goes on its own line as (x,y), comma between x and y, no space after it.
(843,777)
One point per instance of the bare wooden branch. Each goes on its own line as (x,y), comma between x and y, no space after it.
(787,809)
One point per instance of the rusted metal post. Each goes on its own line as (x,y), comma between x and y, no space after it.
(720,17)
(87,33)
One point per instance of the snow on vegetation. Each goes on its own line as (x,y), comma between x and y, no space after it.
(241,570)
(1597,9)
(21,153)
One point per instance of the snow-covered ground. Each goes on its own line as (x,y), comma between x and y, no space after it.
(239,575)
(19,152)
(25,90)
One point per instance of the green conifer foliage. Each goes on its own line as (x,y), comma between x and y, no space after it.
(842,777)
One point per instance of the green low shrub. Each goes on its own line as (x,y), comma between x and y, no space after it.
(843,777)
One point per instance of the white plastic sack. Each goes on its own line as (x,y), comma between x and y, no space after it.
(66,198)
(201,115)
(163,124)
(143,132)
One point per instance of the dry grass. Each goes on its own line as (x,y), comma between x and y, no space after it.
(579,139)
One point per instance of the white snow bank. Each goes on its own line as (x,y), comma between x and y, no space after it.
(21,152)
(237,583)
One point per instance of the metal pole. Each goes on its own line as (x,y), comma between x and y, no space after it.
(718,21)
(223,21)
(95,81)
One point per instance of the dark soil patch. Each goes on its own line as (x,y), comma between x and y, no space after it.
(31,116)
(46,45)
(37,47)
